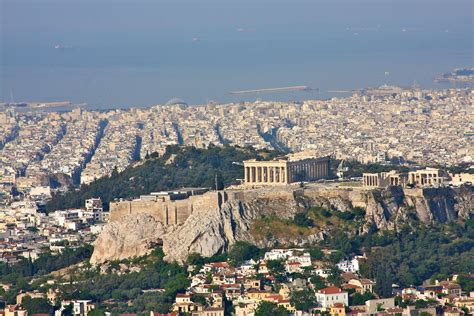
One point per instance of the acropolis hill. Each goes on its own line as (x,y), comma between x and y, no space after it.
(216,219)
(174,207)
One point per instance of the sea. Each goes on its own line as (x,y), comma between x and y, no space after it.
(121,54)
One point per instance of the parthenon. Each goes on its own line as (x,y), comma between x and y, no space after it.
(290,169)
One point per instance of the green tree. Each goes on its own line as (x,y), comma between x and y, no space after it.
(336,256)
(195,259)
(96,312)
(334,276)
(37,305)
(242,251)
(383,282)
(199,298)
(360,299)
(269,308)
(317,282)
(303,300)
(276,266)
(67,311)
(466,282)
(316,253)
(302,219)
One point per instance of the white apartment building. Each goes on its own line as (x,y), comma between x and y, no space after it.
(329,296)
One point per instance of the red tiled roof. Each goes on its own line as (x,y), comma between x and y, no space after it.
(294,264)
(220,264)
(330,290)
(182,295)
(366,281)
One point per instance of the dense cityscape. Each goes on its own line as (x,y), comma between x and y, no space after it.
(426,127)
(425,136)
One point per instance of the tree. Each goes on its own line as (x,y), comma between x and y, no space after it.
(341,242)
(334,276)
(335,257)
(303,300)
(360,299)
(195,259)
(317,282)
(242,251)
(67,311)
(276,266)
(302,219)
(37,305)
(421,304)
(96,312)
(383,281)
(269,308)
(316,253)
(466,282)
(199,298)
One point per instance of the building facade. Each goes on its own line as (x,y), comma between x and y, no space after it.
(417,178)
(428,176)
(329,296)
(286,170)
(384,179)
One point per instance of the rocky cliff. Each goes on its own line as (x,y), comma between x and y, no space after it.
(214,230)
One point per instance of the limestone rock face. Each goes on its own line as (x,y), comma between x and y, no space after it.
(214,230)
(133,236)
(208,232)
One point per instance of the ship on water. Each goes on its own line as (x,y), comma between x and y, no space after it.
(457,75)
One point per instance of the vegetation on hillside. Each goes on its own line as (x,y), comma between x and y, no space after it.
(20,273)
(307,222)
(409,257)
(178,167)
(160,280)
(406,256)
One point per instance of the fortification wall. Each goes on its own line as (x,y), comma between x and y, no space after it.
(356,196)
(169,212)
(176,212)
(275,193)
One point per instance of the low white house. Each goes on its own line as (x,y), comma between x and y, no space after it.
(322,272)
(280,254)
(79,307)
(349,265)
(329,296)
